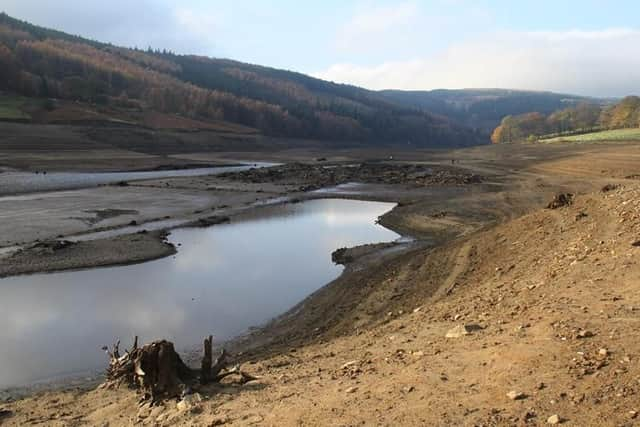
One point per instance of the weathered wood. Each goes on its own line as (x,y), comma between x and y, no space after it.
(221,363)
(205,371)
(159,373)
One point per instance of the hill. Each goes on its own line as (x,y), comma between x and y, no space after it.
(584,118)
(122,85)
(483,108)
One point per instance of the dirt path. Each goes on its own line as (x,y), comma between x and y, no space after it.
(460,264)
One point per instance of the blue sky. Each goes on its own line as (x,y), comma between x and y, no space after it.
(585,47)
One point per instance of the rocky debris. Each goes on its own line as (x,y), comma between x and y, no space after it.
(560,200)
(609,187)
(581,215)
(100,215)
(516,395)
(584,333)
(190,402)
(462,330)
(344,256)
(554,419)
(212,220)
(49,246)
(313,176)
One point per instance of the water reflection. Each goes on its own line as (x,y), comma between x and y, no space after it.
(223,280)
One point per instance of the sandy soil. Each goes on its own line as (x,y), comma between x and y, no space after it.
(549,299)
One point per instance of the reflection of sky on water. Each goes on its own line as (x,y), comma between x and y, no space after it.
(224,279)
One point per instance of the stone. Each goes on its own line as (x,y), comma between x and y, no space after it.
(190,402)
(462,330)
(554,419)
(603,352)
(351,390)
(349,364)
(516,395)
(585,334)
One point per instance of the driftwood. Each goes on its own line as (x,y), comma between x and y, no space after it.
(159,373)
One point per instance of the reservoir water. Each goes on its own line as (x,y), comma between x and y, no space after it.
(223,280)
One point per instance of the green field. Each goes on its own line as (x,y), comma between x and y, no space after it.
(11,108)
(606,135)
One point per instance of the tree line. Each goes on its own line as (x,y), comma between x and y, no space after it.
(583,118)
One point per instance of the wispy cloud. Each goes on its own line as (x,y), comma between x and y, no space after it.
(585,62)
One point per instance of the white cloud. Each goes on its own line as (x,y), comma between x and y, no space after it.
(599,63)
(197,23)
(373,25)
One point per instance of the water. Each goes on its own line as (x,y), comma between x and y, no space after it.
(223,280)
(28,182)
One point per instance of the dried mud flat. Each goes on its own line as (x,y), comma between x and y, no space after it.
(518,315)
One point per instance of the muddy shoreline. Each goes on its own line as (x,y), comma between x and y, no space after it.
(81,251)
(432,212)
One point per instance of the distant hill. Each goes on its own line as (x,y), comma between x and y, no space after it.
(483,108)
(86,80)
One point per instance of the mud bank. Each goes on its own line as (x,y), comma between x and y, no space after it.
(61,255)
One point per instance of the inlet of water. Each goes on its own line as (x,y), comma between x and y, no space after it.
(223,280)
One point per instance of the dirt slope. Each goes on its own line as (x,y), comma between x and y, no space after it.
(553,301)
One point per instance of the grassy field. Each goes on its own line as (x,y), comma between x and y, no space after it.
(11,107)
(607,135)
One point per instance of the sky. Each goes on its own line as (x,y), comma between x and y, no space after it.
(585,47)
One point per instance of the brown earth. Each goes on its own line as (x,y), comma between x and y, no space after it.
(550,299)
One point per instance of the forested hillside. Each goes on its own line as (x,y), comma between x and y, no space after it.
(46,64)
(583,118)
(483,108)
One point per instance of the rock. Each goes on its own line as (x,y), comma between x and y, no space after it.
(603,352)
(462,330)
(633,414)
(349,364)
(585,334)
(554,419)
(351,390)
(560,200)
(516,395)
(5,413)
(190,402)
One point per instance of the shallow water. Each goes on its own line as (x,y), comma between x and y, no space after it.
(29,182)
(223,280)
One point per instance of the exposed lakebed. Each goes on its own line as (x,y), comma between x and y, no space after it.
(31,182)
(223,280)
